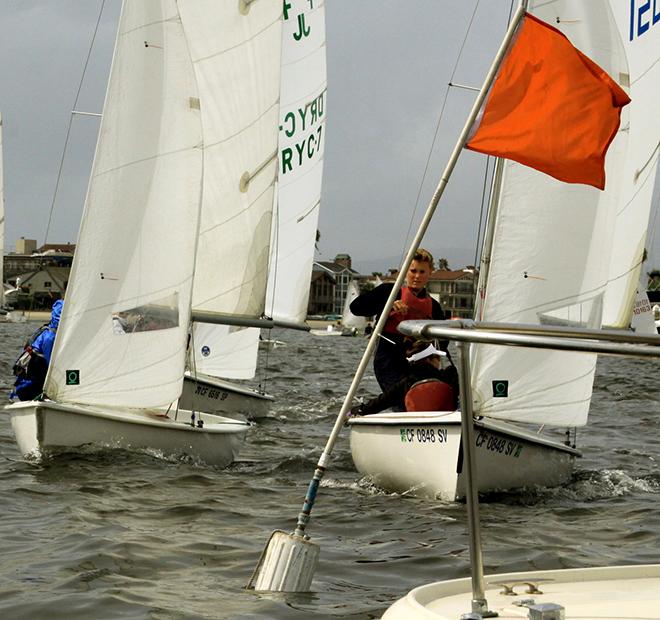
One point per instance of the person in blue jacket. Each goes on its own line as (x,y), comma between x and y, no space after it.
(32,365)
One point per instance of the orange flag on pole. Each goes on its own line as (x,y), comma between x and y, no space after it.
(550,108)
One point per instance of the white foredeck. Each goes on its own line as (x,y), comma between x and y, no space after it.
(609,593)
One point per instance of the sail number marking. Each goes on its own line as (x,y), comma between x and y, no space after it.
(507,447)
(423,435)
(202,390)
(643,16)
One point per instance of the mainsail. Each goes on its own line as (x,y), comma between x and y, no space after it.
(301,147)
(554,244)
(236,59)
(124,328)
(236,55)
(231,352)
(640,31)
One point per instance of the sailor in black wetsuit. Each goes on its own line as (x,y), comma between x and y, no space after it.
(413,302)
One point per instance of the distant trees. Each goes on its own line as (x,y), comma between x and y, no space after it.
(443,264)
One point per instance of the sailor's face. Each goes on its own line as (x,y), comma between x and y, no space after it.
(418,275)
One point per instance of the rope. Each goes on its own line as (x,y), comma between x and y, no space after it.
(66,144)
(437,129)
(68,131)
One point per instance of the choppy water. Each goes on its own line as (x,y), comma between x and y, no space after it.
(132,536)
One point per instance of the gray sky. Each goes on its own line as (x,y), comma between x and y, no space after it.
(389,62)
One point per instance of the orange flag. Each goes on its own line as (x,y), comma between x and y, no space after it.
(550,108)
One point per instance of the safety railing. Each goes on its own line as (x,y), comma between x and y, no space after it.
(465,332)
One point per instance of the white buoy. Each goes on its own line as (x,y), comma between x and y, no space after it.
(287,565)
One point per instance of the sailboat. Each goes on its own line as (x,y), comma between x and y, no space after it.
(349,324)
(220,353)
(537,269)
(187,144)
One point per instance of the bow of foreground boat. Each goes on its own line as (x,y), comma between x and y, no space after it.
(621,592)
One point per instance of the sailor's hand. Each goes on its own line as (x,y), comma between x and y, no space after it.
(399,307)
(356,410)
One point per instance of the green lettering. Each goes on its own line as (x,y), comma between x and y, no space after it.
(321,99)
(287,6)
(287,154)
(318,140)
(310,146)
(300,147)
(303,114)
(290,116)
(303,30)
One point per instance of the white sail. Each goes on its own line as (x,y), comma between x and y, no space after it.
(348,319)
(550,259)
(230,352)
(225,351)
(238,45)
(135,255)
(301,146)
(235,49)
(640,33)
(2,223)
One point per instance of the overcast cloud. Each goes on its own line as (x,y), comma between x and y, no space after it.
(389,62)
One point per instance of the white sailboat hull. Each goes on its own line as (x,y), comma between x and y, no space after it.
(421,454)
(622,592)
(45,427)
(212,395)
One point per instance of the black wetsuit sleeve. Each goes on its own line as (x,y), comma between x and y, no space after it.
(438,313)
(371,302)
(389,398)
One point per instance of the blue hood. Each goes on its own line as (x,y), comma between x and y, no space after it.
(56,314)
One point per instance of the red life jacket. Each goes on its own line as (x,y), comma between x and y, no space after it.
(418,308)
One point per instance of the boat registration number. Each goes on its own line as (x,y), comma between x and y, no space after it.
(507,447)
(202,390)
(424,435)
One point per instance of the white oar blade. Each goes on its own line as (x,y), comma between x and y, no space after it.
(287,565)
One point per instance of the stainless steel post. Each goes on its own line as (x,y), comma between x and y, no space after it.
(479,603)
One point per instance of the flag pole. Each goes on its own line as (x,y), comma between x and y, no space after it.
(289,560)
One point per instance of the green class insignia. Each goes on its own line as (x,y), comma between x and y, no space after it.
(500,389)
(73,377)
